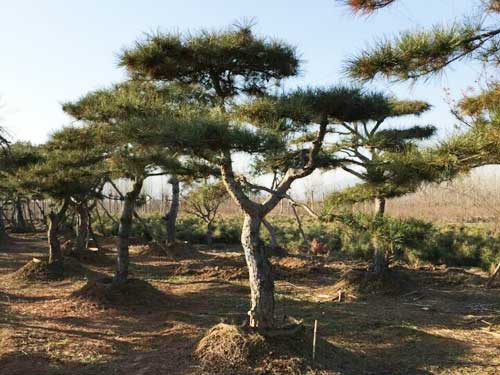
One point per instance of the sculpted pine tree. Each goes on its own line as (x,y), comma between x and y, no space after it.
(107,111)
(235,64)
(376,153)
(416,55)
(12,159)
(58,175)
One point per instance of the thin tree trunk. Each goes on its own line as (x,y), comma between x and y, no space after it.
(55,254)
(83,230)
(299,222)
(273,244)
(2,224)
(210,233)
(122,263)
(379,206)
(261,314)
(379,258)
(171,216)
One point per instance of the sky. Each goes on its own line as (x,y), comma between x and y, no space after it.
(54,51)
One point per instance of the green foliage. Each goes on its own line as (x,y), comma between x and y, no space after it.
(205,199)
(226,62)
(421,53)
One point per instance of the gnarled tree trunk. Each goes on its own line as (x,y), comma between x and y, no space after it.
(83,229)
(55,218)
(122,261)
(261,314)
(171,216)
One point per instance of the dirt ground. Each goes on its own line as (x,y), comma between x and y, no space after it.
(444,322)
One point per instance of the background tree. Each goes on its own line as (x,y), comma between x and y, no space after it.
(204,202)
(108,110)
(59,176)
(377,154)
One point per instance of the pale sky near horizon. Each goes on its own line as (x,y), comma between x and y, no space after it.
(54,50)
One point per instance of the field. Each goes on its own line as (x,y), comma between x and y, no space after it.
(443,322)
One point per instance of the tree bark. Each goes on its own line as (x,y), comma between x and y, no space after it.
(2,224)
(379,258)
(55,218)
(122,261)
(261,314)
(20,220)
(379,206)
(171,216)
(210,233)
(83,229)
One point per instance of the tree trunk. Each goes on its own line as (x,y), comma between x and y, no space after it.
(83,230)
(55,254)
(261,314)
(20,220)
(210,233)
(124,228)
(379,206)
(273,243)
(2,224)
(171,216)
(379,259)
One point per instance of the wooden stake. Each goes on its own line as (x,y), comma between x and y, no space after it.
(314,339)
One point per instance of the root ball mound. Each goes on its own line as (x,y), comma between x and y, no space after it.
(41,270)
(362,283)
(134,292)
(229,349)
(294,267)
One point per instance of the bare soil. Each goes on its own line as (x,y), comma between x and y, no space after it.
(442,322)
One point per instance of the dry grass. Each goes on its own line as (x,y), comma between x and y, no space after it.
(449,324)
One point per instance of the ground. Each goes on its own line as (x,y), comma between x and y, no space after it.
(443,322)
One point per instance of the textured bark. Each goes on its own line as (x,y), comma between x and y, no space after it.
(55,254)
(83,229)
(210,233)
(379,260)
(261,314)
(2,224)
(122,261)
(379,206)
(171,216)
(21,225)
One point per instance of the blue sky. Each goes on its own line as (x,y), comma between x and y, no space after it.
(55,50)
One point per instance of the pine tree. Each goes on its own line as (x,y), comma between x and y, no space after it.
(378,154)
(59,175)
(108,110)
(235,66)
